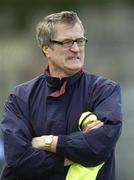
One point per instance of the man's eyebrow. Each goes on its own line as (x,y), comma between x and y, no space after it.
(72,39)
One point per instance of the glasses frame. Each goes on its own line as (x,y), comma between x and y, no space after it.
(69,42)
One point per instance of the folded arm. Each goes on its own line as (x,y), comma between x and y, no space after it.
(94,145)
(19,152)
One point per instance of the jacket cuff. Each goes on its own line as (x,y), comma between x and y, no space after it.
(61,145)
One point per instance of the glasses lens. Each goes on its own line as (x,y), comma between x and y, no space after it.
(81,41)
(68,43)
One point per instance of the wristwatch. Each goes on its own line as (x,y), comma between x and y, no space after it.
(48,142)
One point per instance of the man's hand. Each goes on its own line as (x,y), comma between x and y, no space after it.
(39,142)
(90,126)
(67,162)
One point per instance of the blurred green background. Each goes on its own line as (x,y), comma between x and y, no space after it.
(110,52)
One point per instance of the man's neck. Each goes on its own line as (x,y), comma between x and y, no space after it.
(59,74)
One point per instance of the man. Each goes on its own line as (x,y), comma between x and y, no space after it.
(40,121)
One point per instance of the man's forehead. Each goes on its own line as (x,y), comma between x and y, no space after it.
(65,30)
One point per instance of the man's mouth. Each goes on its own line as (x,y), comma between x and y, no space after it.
(74,58)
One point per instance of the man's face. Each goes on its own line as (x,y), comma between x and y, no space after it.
(65,61)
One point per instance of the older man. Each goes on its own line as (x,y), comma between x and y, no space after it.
(40,119)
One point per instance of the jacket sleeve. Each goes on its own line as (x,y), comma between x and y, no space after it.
(94,147)
(19,153)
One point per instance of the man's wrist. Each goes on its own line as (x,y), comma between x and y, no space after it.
(54,144)
(51,143)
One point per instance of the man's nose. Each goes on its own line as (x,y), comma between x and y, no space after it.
(75,47)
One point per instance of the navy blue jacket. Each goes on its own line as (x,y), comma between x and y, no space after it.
(48,105)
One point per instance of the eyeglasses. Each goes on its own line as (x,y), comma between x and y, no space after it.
(69,42)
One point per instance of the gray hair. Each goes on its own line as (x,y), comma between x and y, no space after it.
(45,29)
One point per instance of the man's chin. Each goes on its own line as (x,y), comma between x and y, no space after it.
(74,69)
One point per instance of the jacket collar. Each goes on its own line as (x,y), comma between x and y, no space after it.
(59,85)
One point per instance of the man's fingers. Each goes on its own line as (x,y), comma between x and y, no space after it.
(35,142)
(93,125)
(38,142)
(90,124)
(98,126)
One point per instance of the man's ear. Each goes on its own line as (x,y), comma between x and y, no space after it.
(45,51)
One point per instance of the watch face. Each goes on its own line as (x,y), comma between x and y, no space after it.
(48,140)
